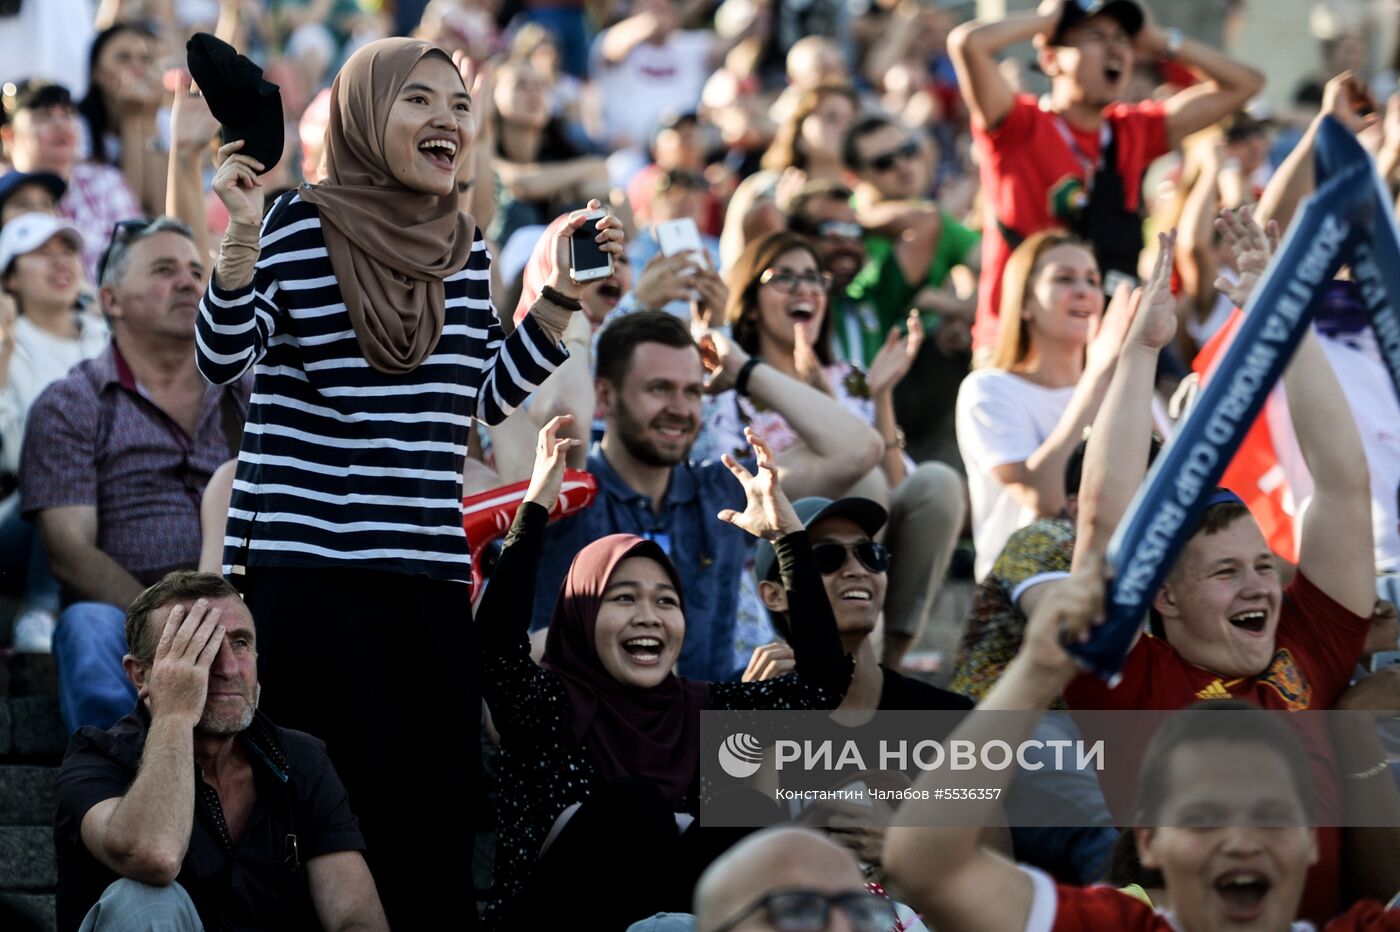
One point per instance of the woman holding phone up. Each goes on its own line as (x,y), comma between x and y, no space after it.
(364,309)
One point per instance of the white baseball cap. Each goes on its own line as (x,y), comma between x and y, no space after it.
(28,232)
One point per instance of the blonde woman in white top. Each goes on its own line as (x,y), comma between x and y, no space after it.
(1019,418)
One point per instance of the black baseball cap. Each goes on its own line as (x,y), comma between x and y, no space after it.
(247,106)
(868,516)
(1073,12)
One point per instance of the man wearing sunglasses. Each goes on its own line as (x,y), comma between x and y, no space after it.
(788,880)
(1076,158)
(854,568)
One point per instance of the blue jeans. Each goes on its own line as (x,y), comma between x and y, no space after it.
(89,642)
(131,906)
(24,567)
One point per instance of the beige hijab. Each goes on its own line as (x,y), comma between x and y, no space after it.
(390,247)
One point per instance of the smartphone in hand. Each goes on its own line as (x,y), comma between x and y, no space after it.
(587,260)
(677,236)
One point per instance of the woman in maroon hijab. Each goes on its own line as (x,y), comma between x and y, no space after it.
(600,744)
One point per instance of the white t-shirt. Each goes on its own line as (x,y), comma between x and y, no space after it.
(1001,418)
(48,39)
(650,82)
(39,359)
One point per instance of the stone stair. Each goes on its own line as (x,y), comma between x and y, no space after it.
(32,741)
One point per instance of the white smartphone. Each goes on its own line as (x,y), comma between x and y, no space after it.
(587,260)
(676,236)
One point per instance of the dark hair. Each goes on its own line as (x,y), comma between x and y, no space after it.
(1125,867)
(823,189)
(93,108)
(1216,519)
(850,146)
(1074,468)
(173,587)
(1199,723)
(32,94)
(619,339)
(786,150)
(743,281)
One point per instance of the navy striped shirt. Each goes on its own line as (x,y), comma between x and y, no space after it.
(344,465)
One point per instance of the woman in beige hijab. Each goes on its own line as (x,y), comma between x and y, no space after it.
(363,309)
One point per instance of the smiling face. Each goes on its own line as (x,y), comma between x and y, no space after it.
(158,294)
(655,412)
(430,128)
(600,298)
(892,163)
(857,595)
(640,625)
(48,277)
(520,96)
(1094,64)
(1220,605)
(842,253)
(780,307)
(1248,874)
(1066,296)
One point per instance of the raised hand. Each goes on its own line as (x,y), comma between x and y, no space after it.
(550,454)
(192,126)
(1154,321)
(896,357)
(1250,247)
(768,513)
(1067,614)
(665,279)
(610,238)
(1106,339)
(1347,98)
(237,184)
(178,683)
(722,359)
(711,297)
(770,661)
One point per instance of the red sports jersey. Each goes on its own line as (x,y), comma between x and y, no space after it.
(1316,648)
(1060,908)
(1032,179)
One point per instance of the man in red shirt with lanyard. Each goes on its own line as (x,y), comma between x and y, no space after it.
(1075,159)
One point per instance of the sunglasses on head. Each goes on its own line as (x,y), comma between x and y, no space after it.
(810,911)
(886,160)
(831,557)
(122,233)
(841,228)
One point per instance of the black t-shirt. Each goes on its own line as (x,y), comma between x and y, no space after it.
(902,692)
(301,812)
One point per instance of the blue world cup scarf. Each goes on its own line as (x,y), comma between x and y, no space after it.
(1349,220)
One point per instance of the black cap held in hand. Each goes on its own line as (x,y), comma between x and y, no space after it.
(247,106)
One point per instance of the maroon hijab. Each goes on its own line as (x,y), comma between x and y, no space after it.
(651,733)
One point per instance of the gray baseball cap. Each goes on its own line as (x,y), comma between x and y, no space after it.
(869,517)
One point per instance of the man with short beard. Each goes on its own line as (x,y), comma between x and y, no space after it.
(650,384)
(258,833)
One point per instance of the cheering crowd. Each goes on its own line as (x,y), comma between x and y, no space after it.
(876,301)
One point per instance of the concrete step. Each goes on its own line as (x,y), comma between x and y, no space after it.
(31,728)
(27,795)
(27,858)
(27,912)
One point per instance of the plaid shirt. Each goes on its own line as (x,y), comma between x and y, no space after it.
(97,198)
(94,438)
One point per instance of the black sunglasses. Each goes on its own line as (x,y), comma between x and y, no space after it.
(831,557)
(123,231)
(885,161)
(810,911)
